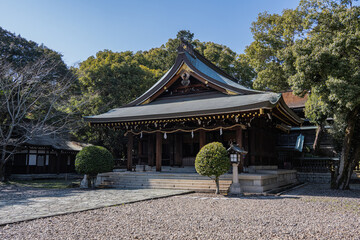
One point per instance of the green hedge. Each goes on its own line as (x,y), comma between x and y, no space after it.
(93,160)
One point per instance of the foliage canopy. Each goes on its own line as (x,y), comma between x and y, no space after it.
(212,161)
(93,160)
(315,47)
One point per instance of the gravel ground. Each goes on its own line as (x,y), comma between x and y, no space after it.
(310,212)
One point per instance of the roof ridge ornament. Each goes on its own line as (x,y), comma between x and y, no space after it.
(186,46)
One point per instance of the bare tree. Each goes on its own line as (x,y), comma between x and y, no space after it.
(34,100)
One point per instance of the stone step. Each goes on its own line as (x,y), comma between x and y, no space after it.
(171,181)
(169,184)
(207,190)
(250,182)
(186,182)
(162,177)
(168,181)
(178,186)
(137,174)
(172,185)
(167,169)
(193,182)
(165,186)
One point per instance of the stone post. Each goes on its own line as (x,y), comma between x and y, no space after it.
(235,188)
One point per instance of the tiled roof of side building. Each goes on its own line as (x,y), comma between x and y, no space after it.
(294,101)
(56,142)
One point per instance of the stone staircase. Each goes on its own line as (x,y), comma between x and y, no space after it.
(184,181)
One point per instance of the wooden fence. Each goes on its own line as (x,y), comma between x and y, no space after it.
(312,164)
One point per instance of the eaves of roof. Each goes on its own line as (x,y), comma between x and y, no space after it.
(199,107)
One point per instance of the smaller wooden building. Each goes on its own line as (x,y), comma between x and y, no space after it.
(45,154)
(306,160)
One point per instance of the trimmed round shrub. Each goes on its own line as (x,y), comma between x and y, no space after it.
(212,161)
(92,160)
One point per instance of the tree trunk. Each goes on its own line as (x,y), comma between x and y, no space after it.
(217,185)
(2,165)
(343,173)
(319,133)
(89,181)
(355,158)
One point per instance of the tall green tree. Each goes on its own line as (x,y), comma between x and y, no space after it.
(327,61)
(107,81)
(19,52)
(316,47)
(236,65)
(270,52)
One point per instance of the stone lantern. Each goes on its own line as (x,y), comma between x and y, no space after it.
(235,157)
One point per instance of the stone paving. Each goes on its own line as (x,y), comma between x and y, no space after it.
(21,204)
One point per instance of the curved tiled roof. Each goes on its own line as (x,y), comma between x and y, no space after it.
(201,66)
(229,97)
(208,71)
(188,108)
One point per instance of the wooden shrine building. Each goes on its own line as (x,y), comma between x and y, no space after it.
(195,103)
(45,155)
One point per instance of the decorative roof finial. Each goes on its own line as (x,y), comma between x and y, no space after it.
(186,46)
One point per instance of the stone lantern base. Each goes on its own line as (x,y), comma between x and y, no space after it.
(235,189)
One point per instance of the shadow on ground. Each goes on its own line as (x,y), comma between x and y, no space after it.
(12,194)
(323,190)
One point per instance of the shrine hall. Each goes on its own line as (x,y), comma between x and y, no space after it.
(193,104)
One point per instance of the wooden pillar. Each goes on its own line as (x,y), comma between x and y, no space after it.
(261,143)
(202,138)
(253,147)
(66,164)
(46,166)
(158,151)
(129,151)
(139,151)
(171,148)
(178,149)
(53,163)
(58,159)
(151,150)
(37,169)
(239,142)
(239,137)
(27,161)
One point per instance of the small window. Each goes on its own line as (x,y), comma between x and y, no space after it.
(41,160)
(32,160)
(68,160)
(47,160)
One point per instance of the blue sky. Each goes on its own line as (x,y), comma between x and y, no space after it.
(80,28)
